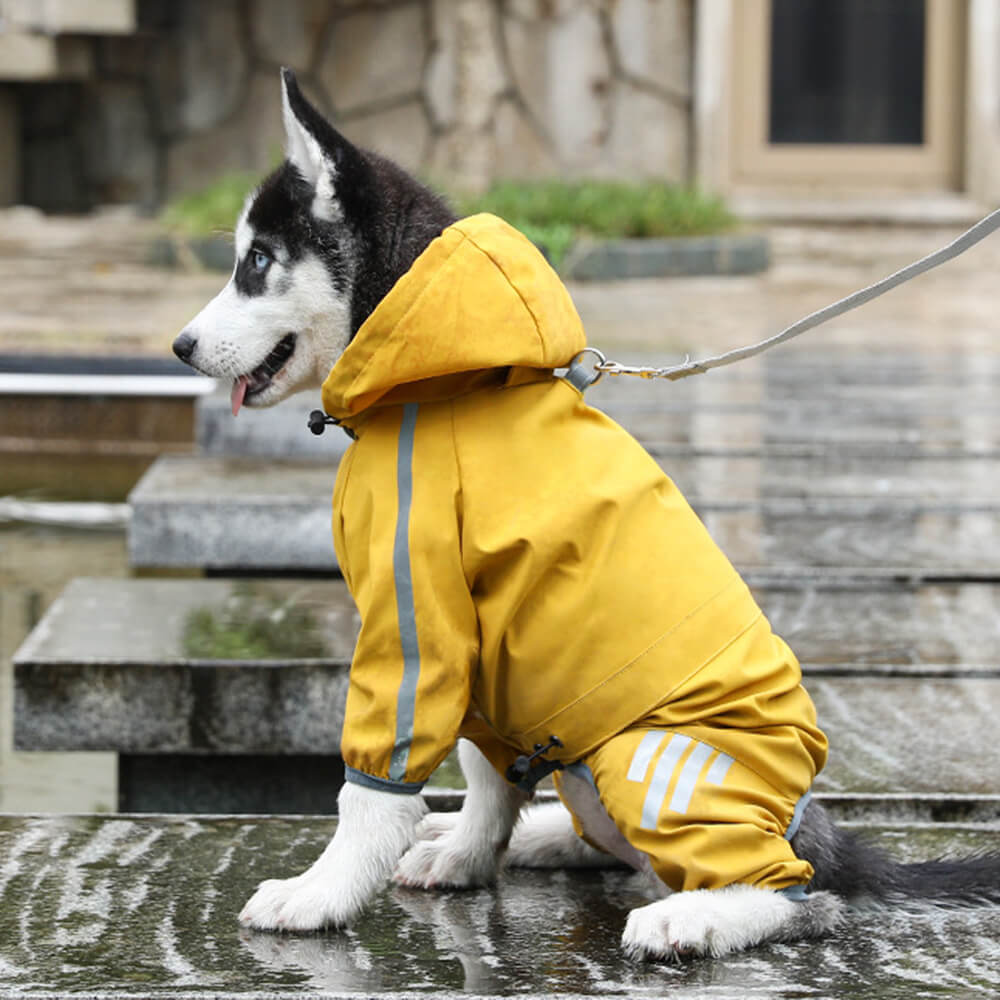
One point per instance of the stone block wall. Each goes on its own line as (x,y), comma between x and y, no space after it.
(463,91)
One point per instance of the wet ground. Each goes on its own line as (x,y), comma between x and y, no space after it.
(144,907)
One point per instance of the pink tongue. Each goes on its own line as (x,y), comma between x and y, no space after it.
(239,391)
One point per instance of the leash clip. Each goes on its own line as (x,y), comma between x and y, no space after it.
(523,775)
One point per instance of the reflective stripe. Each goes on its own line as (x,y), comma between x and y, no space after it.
(689,777)
(406,700)
(719,769)
(643,755)
(662,774)
(800,808)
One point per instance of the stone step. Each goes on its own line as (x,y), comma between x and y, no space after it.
(137,906)
(933,518)
(175,667)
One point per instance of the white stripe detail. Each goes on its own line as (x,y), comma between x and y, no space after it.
(644,754)
(689,777)
(662,774)
(719,769)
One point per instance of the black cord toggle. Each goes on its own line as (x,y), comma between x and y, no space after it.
(525,776)
(319,421)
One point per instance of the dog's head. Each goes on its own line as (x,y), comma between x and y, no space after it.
(318,244)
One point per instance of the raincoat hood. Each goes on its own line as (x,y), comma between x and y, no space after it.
(479,301)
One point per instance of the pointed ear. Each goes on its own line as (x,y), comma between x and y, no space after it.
(302,148)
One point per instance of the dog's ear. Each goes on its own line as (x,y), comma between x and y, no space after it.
(313,146)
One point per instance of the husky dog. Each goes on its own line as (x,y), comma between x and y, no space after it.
(319,245)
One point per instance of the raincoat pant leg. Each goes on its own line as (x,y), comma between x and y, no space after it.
(704,819)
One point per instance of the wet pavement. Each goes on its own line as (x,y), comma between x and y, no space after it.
(144,907)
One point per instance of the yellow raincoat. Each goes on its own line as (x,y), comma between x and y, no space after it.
(522,566)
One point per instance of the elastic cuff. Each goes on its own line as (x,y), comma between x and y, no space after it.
(382,784)
(796,893)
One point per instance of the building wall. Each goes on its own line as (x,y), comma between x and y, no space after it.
(463,91)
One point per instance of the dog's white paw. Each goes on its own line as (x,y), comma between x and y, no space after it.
(436,825)
(708,923)
(452,860)
(264,906)
(305,903)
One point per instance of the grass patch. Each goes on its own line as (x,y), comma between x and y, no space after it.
(213,209)
(554,213)
(551,213)
(252,626)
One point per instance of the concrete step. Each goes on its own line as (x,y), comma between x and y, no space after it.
(177,667)
(128,907)
(91,430)
(931,518)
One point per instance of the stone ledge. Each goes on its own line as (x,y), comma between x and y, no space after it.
(125,908)
(220,514)
(618,260)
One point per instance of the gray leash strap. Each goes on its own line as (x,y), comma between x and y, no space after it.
(968,239)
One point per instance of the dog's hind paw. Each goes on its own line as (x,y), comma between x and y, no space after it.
(450,861)
(435,825)
(712,922)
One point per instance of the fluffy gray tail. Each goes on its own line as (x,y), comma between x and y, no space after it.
(848,866)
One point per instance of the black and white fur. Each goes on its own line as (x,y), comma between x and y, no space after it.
(318,245)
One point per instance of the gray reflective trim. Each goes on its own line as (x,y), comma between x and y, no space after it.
(381,784)
(644,754)
(719,769)
(662,774)
(405,609)
(689,778)
(800,808)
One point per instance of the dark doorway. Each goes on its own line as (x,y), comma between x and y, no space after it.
(847,71)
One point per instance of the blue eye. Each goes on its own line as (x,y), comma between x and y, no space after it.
(259,260)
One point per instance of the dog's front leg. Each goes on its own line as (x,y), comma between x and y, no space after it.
(374,829)
(462,850)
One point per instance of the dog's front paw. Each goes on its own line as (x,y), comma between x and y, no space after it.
(264,907)
(303,903)
(449,861)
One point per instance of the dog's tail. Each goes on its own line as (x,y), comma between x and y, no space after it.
(848,866)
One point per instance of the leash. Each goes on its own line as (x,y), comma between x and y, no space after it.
(968,239)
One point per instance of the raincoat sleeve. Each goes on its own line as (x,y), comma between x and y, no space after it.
(397,531)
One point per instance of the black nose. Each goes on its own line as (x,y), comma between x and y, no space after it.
(184,346)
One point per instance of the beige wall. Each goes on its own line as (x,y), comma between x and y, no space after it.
(465,90)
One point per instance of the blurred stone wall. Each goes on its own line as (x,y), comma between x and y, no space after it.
(461,90)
